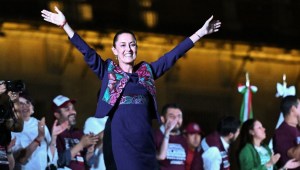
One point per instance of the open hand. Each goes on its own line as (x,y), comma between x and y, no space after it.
(274,158)
(54,18)
(292,164)
(58,129)
(170,124)
(88,140)
(13,96)
(210,26)
(2,87)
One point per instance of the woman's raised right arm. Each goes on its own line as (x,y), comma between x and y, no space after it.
(58,19)
(91,57)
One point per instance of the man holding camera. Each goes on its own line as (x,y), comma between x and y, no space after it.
(10,120)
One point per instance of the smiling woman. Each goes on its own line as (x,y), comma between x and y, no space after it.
(125,49)
(128,93)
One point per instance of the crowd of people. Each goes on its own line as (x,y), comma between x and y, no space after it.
(112,139)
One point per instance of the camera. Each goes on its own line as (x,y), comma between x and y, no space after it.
(9,120)
(15,85)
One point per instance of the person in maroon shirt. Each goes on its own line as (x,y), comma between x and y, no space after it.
(192,133)
(74,149)
(170,143)
(286,139)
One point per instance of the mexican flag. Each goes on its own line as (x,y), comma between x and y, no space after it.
(246,108)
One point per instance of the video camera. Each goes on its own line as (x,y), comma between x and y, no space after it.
(14,85)
(9,122)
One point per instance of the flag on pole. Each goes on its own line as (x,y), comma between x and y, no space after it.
(246,108)
(282,91)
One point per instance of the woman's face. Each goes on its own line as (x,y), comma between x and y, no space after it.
(258,132)
(125,49)
(26,108)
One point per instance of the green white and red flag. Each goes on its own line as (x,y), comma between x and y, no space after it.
(246,108)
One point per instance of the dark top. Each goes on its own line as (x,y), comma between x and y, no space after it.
(65,141)
(129,99)
(176,152)
(285,137)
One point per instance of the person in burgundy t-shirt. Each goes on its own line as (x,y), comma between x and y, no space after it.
(286,139)
(170,143)
(74,149)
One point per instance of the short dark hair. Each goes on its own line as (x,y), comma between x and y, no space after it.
(168,106)
(26,96)
(123,31)
(287,103)
(227,125)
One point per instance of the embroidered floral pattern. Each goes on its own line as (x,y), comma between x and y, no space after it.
(146,78)
(137,99)
(117,79)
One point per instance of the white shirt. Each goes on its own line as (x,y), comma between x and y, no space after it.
(38,159)
(212,158)
(99,163)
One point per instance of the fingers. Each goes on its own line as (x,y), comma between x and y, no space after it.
(90,139)
(94,140)
(44,12)
(55,122)
(57,10)
(41,124)
(292,159)
(13,95)
(2,87)
(215,25)
(43,121)
(48,16)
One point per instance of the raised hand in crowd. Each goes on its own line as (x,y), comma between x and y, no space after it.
(2,87)
(273,160)
(56,130)
(170,124)
(41,130)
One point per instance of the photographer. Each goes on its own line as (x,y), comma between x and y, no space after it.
(10,120)
(35,148)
